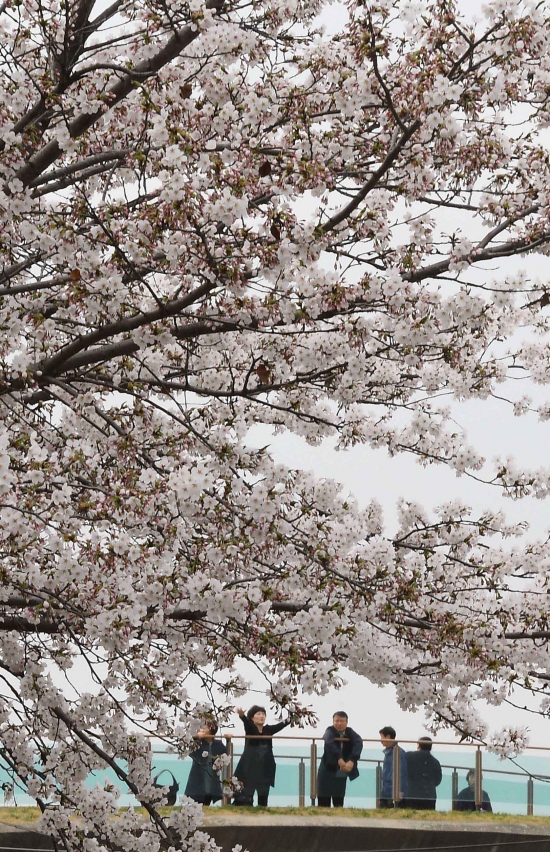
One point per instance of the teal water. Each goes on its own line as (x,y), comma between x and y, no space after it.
(507,791)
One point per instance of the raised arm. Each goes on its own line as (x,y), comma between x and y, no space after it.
(270,730)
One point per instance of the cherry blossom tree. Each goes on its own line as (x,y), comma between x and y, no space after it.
(215,215)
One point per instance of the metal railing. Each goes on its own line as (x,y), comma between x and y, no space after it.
(312,756)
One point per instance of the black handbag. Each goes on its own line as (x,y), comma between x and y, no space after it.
(172,793)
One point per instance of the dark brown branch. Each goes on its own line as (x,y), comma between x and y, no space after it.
(30,288)
(107,759)
(51,366)
(506,224)
(539,675)
(523,634)
(24,625)
(491,253)
(82,165)
(22,601)
(52,625)
(181,39)
(16,268)
(98,354)
(373,180)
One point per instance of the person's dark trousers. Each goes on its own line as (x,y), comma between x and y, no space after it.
(388,803)
(421,804)
(244,798)
(247,799)
(324,801)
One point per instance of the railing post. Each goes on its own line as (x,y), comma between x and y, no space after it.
(301,784)
(378,784)
(150,752)
(396,776)
(313,773)
(454,789)
(530,796)
(228,768)
(479,779)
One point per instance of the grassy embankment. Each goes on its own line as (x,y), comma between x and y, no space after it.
(28,815)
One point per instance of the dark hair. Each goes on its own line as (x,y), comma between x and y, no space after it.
(470,772)
(425,743)
(388,731)
(255,709)
(341,713)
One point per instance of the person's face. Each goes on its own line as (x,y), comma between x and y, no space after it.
(259,718)
(340,723)
(471,779)
(387,742)
(204,732)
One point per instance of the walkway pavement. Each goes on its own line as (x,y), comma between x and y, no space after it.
(217,817)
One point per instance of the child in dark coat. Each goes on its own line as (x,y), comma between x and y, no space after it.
(203,784)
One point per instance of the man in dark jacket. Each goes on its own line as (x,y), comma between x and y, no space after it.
(424,775)
(466,800)
(343,747)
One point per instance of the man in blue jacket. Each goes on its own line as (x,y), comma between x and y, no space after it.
(387,738)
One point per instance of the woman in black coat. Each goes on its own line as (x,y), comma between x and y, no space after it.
(256,767)
(203,784)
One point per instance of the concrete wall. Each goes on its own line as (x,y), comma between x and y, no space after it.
(326,838)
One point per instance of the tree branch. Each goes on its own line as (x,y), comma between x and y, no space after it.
(123,776)
(180,39)
(373,180)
